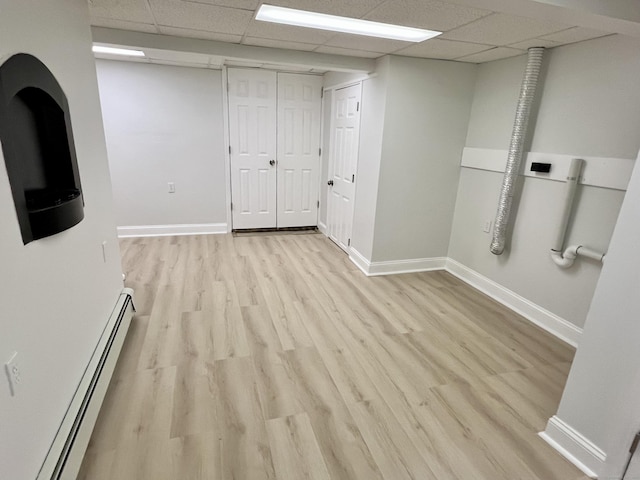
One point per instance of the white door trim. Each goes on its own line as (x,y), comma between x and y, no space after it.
(227,156)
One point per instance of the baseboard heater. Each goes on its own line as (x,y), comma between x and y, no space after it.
(70,444)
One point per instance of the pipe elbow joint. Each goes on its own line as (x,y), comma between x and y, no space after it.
(565,259)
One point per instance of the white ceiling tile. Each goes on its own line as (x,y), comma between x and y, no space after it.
(368,44)
(191,33)
(575,34)
(433,15)
(130,10)
(348,52)
(446,49)
(350,8)
(288,33)
(493,54)
(502,29)
(534,42)
(199,16)
(123,25)
(268,42)
(244,4)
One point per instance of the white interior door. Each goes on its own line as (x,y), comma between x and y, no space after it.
(298,164)
(345,135)
(252,138)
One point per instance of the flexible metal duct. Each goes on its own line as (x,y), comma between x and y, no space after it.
(516,148)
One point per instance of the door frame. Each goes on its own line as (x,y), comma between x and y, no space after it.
(227,137)
(227,146)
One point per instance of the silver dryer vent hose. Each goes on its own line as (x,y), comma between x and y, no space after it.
(516,148)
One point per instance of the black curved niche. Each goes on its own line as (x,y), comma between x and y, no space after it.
(37,142)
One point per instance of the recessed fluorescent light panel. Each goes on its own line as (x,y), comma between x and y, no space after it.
(117,51)
(301,18)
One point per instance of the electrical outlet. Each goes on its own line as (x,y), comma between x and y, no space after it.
(13,374)
(172,187)
(487,226)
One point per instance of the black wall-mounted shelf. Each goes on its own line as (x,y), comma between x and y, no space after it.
(38,147)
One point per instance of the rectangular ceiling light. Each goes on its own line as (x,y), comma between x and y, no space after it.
(301,18)
(117,51)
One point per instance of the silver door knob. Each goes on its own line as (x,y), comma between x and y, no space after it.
(272,162)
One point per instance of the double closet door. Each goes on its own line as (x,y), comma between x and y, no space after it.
(274,139)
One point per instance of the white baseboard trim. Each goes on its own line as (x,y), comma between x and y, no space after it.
(392,267)
(574,446)
(169,230)
(545,319)
(322,227)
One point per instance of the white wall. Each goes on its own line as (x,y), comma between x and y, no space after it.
(372,123)
(164,124)
(427,110)
(589,106)
(56,294)
(413,126)
(600,400)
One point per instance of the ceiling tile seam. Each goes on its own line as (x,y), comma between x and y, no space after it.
(485,51)
(402,48)
(252,10)
(362,17)
(162,25)
(491,47)
(469,23)
(98,17)
(380,4)
(152,13)
(274,39)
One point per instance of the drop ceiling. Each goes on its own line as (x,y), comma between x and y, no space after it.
(470,34)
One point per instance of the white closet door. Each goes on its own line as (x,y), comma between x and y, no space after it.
(252,132)
(345,137)
(299,108)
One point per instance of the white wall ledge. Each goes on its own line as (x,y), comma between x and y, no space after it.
(602,172)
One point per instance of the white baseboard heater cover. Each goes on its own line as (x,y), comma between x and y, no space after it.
(70,444)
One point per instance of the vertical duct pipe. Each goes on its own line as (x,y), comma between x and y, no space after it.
(516,148)
(575,168)
(565,259)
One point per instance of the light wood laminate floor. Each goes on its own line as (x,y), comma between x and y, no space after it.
(273,357)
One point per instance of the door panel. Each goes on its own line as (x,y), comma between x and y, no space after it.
(252,137)
(298,169)
(345,134)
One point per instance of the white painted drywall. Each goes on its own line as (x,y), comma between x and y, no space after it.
(426,116)
(589,106)
(372,124)
(164,124)
(600,399)
(56,293)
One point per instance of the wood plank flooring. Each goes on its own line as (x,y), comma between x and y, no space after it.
(273,357)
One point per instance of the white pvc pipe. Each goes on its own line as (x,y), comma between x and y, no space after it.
(567,205)
(565,259)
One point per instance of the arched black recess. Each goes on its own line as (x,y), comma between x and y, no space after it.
(37,142)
